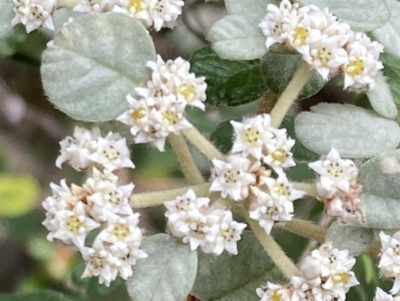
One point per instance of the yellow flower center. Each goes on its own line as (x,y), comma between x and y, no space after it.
(114,198)
(334,170)
(324,54)
(341,278)
(231,176)
(138,5)
(171,116)
(188,92)
(121,231)
(301,35)
(276,296)
(279,155)
(283,190)
(98,261)
(138,114)
(111,153)
(75,223)
(250,136)
(355,67)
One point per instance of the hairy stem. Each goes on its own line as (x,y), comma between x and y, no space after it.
(290,94)
(202,144)
(186,161)
(309,188)
(274,250)
(157,198)
(67,3)
(306,229)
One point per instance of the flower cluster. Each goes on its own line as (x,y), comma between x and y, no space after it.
(100,203)
(212,229)
(243,173)
(381,295)
(34,13)
(337,184)
(327,45)
(389,264)
(157,110)
(326,275)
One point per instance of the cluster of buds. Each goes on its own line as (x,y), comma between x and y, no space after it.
(157,110)
(99,204)
(337,184)
(153,14)
(210,228)
(327,45)
(326,275)
(244,174)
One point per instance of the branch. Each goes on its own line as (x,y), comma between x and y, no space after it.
(306,229)
(202,144)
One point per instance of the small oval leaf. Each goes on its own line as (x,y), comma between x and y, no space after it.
(236,38)
(381,98)
(6,15)
(362,15)
(88,77)
(353,131)
(392,72)
(235,278)
(354,239)
(167,274)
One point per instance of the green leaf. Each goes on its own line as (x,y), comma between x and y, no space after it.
(235,278)
(380,197)
(381,98)
(392,72)
(362,15)
(228,82)
(6,15)
(389,34)
(353,131)
(300,173)
(354,239)
(39,296)
(279,68)
(222,136)
(88,77)
(167,274)
(18,194)
(236,38)
(253,10)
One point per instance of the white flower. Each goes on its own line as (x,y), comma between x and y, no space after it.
(389,264)
(267,211)
(275,24)
(232,177)
(34,14)
(112,153)
(165,12)
(251,135)
(278,151)
(87,6)
(304,289)
(340,282)
(273,292)
(335,174)
(71,226)
(282,190)
(172,117)
(60,199)
(381,295)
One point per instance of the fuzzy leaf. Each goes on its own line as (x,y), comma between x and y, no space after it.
(354,239)
(235,278)
(236,38)
(381,98)
(380,198)
(389,34)
(228,82)
(253,10)
(392,72)
(279,69)
(167,274)
(6,15)
(362,15)
(39,296)
(88,77)
(222,136)
(353,131)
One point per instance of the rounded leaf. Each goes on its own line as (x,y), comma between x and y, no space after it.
(354,239)
(362,15)
(389,34)
(381,98)
(235,278)
(353,131)
(167,274)
(6,15)
(392,73)
(94,62)
(18,194)
(253,10)
(236,38)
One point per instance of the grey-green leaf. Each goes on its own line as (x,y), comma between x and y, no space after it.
(392,72)
(235,278)
(389,34)
(353,131)
(381,98)
(6,15)
(362,15)
(167,274)
(45,295)
(380,198)
(94,63)
(354,239)
(253,10)
(236,38)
